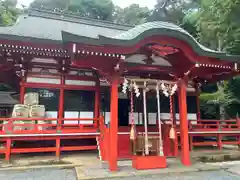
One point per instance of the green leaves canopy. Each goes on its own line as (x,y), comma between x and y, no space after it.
(8,12)
(133,14)
(85,8)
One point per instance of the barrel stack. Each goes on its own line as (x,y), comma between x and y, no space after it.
(30,109)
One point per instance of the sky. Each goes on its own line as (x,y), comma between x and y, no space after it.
(122,3)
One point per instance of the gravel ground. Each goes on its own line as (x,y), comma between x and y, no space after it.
(39,174)
(207,175)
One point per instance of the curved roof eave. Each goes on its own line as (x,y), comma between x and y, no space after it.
(134,35)
(28,39)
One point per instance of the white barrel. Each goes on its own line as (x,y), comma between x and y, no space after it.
(21,111)
(31,98)
(37,111)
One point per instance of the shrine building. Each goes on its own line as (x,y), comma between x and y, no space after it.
(99,81)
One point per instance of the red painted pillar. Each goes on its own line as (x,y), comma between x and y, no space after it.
(8,150)
(97,102)
(219,141)
(238,123)
(61,104)
(60,116)
(22,91)
(113,141)
(185,153)
(198,102)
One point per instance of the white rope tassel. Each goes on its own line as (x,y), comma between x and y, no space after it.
(99,149)
(159,123)
(145,120)
(172,130)
(133,135)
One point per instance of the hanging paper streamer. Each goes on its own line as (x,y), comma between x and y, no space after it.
(168,91)
(125,86)
(131,86)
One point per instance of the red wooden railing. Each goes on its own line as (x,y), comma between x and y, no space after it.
(214,125)
(214,129)
(58,131)
(12,125)
(103,140)
(50,131)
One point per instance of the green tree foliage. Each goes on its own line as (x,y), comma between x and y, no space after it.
(224,97)
(97,9)
(133,14)
(215,24)
(189,22)
(85,8)
(50,4)
(92,8)
(172,10)
(8,12)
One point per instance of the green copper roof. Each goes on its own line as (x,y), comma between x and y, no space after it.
(134,32)
(140,32)
(48,26)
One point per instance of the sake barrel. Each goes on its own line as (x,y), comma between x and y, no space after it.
(31,98)
(21,111)
(38,111)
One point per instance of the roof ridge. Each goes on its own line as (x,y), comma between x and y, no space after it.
(70,17)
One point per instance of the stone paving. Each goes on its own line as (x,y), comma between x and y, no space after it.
(207,175)
(88,166)
(126,170)
(70,174)
(40,174)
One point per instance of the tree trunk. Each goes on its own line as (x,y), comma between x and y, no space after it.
(222,112)
(219,45)
(221,107)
